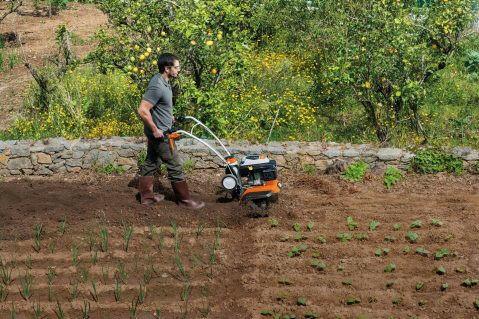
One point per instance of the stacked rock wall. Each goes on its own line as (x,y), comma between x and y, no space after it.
(57,155)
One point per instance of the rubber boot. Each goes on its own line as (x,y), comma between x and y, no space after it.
(183,196)
(145,186)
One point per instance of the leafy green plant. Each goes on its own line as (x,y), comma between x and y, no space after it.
(297,227)
(26,283)
(441,253)
(392,175)
(93,291)
(111,169)
(51,247)
(320,239)
(397,226)
(59,311)
(85,310)
(117,290)
(120,272)
(355,172)
(141,293)
(373,225)
(3,292)
(361,236)
(419,286)
(297,250)
(412,237)
(104,239)
(416,224)
(381,251)
(434,161)
(470,282)
(422,251)
(73,290)
(37,237)
(189,165)
(436,222)
(444,286)
(13,60)
(309,226)
(62,226)
(75,255)
(127,234)
(273,222)
(352,301)
(390,238)
(390,267)
(440,270)
(28,262)
(318,264)
(352,224)
(38,311)
(310,169)
(301,301)
(344,237)
(133,308)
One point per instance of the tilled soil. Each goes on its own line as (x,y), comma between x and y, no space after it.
(222,263)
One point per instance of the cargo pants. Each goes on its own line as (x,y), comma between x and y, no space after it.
(158,152)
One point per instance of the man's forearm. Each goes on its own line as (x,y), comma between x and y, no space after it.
(146,117)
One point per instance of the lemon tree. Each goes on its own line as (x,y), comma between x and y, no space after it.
(384,53)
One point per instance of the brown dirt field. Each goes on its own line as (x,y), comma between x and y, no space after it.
(37,34)
(248,270)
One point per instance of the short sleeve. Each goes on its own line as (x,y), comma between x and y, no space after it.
(153,93)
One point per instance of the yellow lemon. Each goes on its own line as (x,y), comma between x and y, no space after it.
(163,33)
(142,57)
(367,85)
(148,50)
(132,59)
(142,71)
(135,69)
(219,36)
(214,71)
(209,42)
(154,62)
(146,54)
(137,47)
(158,49)
(193,42)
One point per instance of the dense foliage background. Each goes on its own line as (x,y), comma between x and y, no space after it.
(398,72)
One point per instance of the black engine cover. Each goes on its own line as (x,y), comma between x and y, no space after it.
(267,171)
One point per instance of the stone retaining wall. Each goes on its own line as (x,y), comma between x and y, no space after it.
(57,155)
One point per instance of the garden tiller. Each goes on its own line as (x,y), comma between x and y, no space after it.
(253,179)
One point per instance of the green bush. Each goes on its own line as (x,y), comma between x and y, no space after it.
(83,103)
(392,175)
(110,169)
(310,169)
(434,161)
(472,62)
(355,172)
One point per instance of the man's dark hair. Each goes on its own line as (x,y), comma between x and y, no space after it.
(166,59)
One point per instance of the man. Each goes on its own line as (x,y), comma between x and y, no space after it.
(156,111)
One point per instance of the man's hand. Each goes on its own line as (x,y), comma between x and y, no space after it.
(158,133)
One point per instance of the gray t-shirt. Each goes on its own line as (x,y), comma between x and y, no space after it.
(160,95)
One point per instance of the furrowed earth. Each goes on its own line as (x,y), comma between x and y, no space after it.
(222,263)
